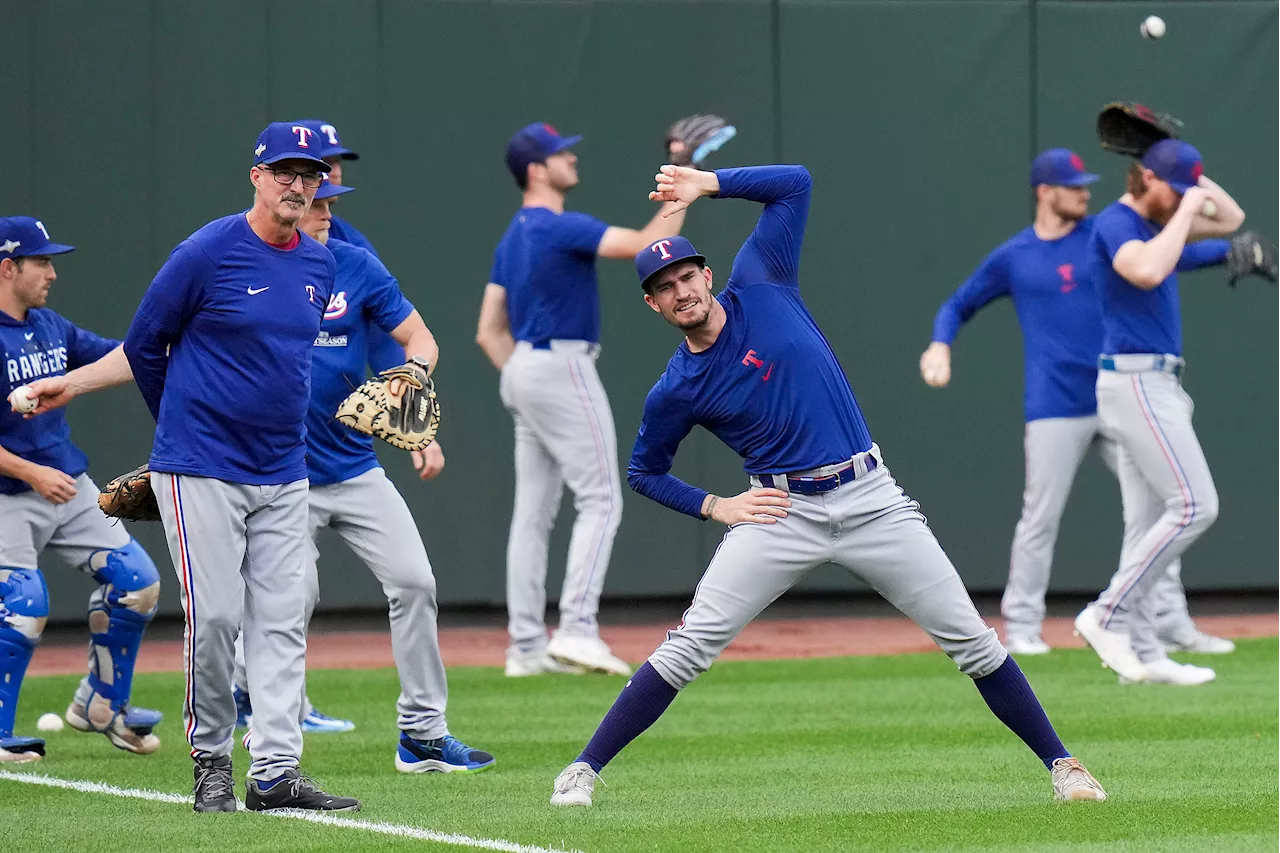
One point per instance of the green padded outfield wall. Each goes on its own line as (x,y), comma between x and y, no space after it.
(128,124)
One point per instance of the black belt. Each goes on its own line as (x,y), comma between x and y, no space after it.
(818,485)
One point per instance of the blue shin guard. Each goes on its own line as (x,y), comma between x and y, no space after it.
(24,608)
(119,611)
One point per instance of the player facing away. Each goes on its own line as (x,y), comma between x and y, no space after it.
(1043,270)
(220,348)
(755,371)
(48,504)
(1169,496)
(351,494)
(540,326)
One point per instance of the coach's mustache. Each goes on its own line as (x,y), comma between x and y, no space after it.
(298,197)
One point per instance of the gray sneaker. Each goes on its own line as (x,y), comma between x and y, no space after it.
(575,785)
(1072,782)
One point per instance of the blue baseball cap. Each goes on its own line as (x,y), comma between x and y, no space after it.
(533,144)
(657,256)
(289,140)
(1176,162)
(1060,167)
(330,142)
(328,189)
(25,237)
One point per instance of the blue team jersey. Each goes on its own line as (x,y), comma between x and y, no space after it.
(366,297)
(1057,307)
(221,350)
(341,229)
(1133,320)
(384,352)
(546,261)
(769,387)
(45,344)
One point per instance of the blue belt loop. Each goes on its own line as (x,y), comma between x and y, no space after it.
(543,344)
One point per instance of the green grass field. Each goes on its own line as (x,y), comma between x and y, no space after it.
(881,754)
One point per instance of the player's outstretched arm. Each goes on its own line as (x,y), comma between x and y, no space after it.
(935,365)
(493,333)
(56,391)
(624,243)
(417,340)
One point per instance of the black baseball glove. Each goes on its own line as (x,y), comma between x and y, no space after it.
(1251,253)
(694,138)
(1129,128)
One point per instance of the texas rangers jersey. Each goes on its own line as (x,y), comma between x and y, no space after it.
(1133,320)
(44,344)
(546,261)
(341,229)
(221,350)
(769,387)
(366,297)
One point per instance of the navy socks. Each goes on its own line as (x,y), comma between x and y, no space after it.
(1011,699)
(637,707)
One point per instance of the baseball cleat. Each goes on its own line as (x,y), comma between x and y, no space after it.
(1200,643)
(215,790)
(442,755)
(1112,646)
(1165,671)
(575,785)
(21,750)
(316,723)
(589,653)
(1072,782)
(244,709)
(129,729)
(520,664)
(292,790)
(1027,646)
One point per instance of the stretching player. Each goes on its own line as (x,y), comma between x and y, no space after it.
(1169,496)
(49,504)
(540,326)
(351,494)
(755,370)
(1043,270)
(221,350)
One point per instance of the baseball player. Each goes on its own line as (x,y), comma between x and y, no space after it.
(540,326)
(1169,495)
(351,493)
(755,370)
(1043,270)
(220,348)
(48,503)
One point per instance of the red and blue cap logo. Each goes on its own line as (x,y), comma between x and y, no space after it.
(290,140)
(26,237)
(660,254)
(1176,162)
(534,143)
(1060,167)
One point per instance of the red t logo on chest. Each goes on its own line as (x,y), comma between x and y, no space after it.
(1067,271)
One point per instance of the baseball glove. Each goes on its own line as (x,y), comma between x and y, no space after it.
(694,138)
(129,496)
(1251,253)
(1129,128)
(408,420)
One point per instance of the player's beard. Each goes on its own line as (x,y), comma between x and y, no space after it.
(694,319)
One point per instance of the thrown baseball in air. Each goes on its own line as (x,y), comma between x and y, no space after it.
(1152,27)
(1209,209)
(49,723)
(22,400)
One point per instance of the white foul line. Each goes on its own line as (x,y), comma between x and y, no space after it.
(324,818)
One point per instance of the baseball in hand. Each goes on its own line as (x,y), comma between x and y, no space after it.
(22,400)
(1152,27)
(49,723)
(1209,209)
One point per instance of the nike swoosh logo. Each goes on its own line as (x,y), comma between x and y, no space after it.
(29,335)
(253,292)
(768,373)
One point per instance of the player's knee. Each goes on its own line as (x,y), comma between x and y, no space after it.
(976,656)
(682,658)
(132,576)
(24,605)
(1195,514)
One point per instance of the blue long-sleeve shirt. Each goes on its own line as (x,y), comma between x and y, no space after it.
(384,352)
(220,348)
(769,387)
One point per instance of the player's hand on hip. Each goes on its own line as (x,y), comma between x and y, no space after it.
(52,485)
(683,186)
(51,393)
(429,461)
(935,365)
(754,506)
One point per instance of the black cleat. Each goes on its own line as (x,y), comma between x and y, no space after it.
(292,790)
(215,790)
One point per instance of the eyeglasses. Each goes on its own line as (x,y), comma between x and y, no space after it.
(310,180)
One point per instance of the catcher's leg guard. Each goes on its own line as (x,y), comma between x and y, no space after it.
(24,609)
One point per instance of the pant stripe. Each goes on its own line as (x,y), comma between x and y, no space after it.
(189,601)
(1184,486)
(606,466)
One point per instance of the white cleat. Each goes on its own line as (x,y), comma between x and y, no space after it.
(589,653)
(575,785)
(1112,646)
(1027,646)
(521,664)
(1201,643)
(1072,782)
(1165,671)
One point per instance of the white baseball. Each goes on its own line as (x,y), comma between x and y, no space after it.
(1209,209)
(1152,27)
(49,723)
(22,400)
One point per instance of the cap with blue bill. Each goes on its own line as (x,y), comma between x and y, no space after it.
(1060,167)
(330,142)
(661,254)
(533,144)
(1176,162)
(328,189)
(25,237)
(289,140)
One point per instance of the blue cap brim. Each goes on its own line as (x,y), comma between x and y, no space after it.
(1082,180)
(292,155)
(329,190)
(1179,187)
(48,249)
(698,259)
(565,144)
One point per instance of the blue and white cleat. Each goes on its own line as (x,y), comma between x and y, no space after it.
(443,755)
(20,750)
(318,723)
(244,710)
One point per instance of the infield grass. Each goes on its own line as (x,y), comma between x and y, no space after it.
(873,753)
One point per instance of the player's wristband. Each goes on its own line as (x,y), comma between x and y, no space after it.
(711,507)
